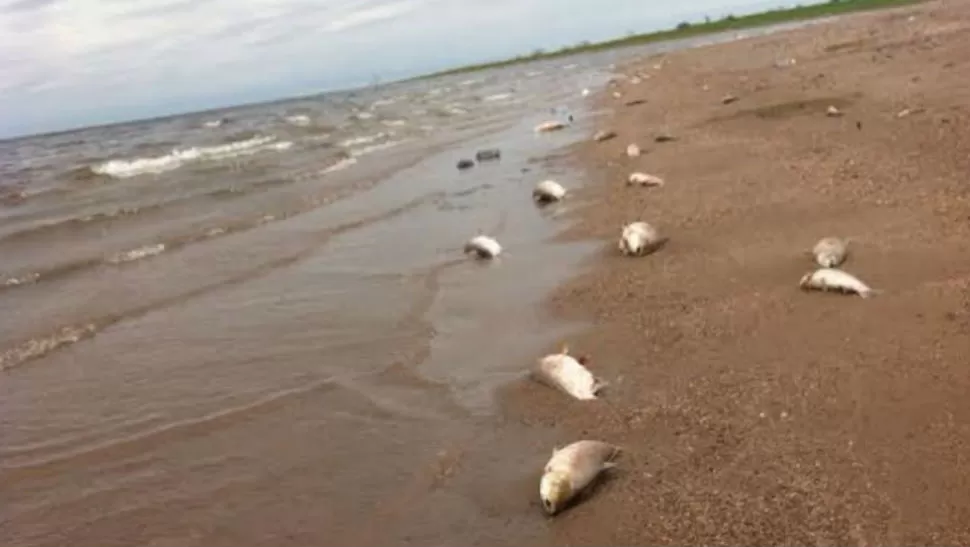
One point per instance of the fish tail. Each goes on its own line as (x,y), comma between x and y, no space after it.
(868,293)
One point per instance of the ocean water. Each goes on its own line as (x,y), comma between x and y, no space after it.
(257,326)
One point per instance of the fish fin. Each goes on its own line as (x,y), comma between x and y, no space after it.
(565,349)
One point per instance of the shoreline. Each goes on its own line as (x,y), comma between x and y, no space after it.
(749,411)
(687,29)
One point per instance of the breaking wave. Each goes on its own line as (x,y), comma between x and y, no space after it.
(124,168)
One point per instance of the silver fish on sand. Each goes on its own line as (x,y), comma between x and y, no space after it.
(572,469)
(644,179)
(639,238)
(833,279)
(830,252)
(564,372)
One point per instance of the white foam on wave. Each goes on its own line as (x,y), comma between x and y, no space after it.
(21,280)
(395,123)
(299,120)
(340,165)
(364,139)
(39,347)
(363,151)
(138,254)
(178,157)
(496,97)
(214,123)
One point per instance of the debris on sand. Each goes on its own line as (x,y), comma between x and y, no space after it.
(633,150)
(604,135)
(664,137)
(644,179)
(833,112)
(465,163)
(728,99)
(545,127)
(908,111)
(635,102)
(488,154)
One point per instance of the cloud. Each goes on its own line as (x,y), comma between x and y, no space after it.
(72,62)
(84,56)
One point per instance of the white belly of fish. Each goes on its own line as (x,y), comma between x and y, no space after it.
(570,375)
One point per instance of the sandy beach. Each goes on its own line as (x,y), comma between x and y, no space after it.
(752,412)
(256,325)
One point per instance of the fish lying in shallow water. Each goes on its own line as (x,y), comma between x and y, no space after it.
(483,246)
(571,469)
(548,191)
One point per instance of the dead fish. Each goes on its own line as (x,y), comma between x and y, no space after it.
(832,279)
(571,469)
(548,191)
(604,135)
(633,150)
(483,246)
(830,252)
(546,127)
(564,372)
(644,179)
(639,238)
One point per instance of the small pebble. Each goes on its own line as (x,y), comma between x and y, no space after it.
(465,164)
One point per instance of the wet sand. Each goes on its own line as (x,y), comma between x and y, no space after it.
(753,413)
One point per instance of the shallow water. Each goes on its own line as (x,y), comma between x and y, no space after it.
(257,326)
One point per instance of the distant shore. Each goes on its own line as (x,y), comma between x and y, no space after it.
(688,29)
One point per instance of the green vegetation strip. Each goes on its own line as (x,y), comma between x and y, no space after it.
(687,29)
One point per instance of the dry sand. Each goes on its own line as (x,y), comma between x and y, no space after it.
(751,412)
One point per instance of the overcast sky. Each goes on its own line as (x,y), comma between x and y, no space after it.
(68,63)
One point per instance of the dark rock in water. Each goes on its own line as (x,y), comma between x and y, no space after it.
(663,137)
(488,154)
(635,102)
(465,164)
(570,118)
